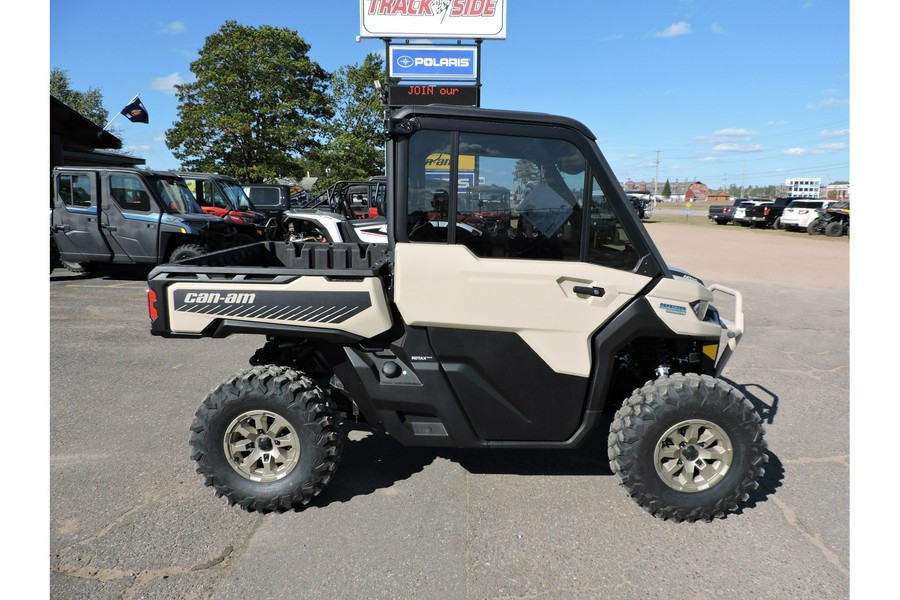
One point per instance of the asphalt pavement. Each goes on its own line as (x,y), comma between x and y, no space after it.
(129,518)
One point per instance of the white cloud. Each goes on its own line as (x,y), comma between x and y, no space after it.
(717,29)
(674,30)
(173,28)
(820,149)
(137,149)
(727,135)
(734,132)
(828,103)
(167,84)
(834,132)
(737,148)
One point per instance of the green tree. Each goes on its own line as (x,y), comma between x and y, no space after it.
(88,103)
(526,173)
(354,142)
(667,190)
(256,107)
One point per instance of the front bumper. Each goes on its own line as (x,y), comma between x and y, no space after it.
(732,329)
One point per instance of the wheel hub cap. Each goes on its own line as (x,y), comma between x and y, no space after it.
(261,446)
(693,455)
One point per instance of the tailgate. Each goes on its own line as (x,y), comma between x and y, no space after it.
(330,291)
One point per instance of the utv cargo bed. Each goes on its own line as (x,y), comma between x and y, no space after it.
(330,291)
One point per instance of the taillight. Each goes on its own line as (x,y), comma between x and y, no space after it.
(151,304)
(766,212)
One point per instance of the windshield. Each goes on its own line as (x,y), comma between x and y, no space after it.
(236,195)
(175,195)
(804,204)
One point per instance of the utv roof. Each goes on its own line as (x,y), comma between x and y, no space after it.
(139,171)
(470,113)
(207,175)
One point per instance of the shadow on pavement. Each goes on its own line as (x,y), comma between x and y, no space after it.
(104,272)
(377,461)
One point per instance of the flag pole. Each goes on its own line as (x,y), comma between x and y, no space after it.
(120,112)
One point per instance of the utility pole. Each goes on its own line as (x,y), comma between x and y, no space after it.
(656,177)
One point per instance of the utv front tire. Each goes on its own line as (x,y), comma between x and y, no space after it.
(186,251)
(266,439)
(687,447)
(813,227)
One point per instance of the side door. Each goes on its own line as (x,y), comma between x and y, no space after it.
(76,218)
(511,315)
(208,195)
(131,218)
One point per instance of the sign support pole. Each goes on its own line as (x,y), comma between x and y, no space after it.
(478,73)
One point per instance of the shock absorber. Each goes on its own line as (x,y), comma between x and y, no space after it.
(270,354)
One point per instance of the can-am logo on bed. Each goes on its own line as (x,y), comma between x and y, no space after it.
(297,306)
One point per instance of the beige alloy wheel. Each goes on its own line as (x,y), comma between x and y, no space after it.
(261,446)
(693,456)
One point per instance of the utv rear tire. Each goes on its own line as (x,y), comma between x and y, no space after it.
(778,224)
(187,251)
(834,229)
(266,439)
(687,447)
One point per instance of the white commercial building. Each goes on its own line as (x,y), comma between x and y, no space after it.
(803,188)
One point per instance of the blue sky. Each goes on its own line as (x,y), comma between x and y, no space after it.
(727,91)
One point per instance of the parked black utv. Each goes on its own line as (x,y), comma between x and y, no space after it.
(833,220)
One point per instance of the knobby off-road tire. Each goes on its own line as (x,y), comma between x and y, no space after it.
(186,251)
(687,447)
(813,227)
(834,229)
(266,439)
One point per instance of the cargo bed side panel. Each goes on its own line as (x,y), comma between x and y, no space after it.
(356,307)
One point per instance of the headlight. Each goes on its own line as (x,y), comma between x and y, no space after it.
(700,307)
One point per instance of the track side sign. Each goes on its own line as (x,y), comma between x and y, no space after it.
(457,19)
(433,62)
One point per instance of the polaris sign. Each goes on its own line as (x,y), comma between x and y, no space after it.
(434,62)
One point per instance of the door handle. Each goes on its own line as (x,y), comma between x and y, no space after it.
(63,228)
(108,227)
(594,291)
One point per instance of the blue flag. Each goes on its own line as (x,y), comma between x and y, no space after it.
(135,112)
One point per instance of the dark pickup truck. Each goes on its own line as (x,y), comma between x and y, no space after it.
(723,214)
(769,214)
